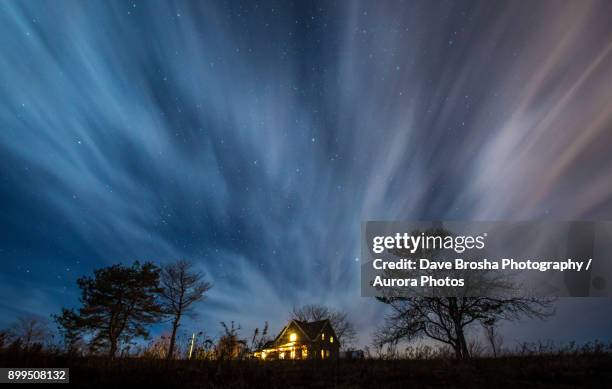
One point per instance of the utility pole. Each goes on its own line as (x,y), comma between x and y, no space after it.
(191,347)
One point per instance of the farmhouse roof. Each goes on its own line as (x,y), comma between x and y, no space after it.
(312,328)
(309,328)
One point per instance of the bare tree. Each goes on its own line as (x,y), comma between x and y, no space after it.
(446,319)
(5,336)
(493,337)
(339,320)
(182,287)
(31,331)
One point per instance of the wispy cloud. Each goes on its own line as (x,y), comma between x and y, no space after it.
(254,140)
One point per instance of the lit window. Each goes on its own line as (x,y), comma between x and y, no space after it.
(304,352)
(293,337)
(263,355)
(331,339)
(327,353)
(323,336)
(292,355)
(281,355)
(322,354)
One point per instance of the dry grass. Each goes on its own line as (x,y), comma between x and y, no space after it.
(549,370)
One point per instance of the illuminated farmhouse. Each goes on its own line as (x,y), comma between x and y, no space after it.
(302,340)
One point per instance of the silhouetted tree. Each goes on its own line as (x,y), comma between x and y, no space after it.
(118,304)
(339,320)
(71,331)
(445,319)
(5,336)
(493,337)
(30,331)
(181,287)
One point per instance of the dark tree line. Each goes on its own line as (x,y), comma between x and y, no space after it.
(30,333)
(119,303)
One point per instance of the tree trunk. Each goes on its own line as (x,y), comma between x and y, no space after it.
(462,342)
(113,348)
(175,324)
(461,350)
(112,339)
(457,349)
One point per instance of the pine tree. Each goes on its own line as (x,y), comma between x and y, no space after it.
(119,302)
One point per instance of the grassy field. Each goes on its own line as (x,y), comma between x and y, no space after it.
(567,371)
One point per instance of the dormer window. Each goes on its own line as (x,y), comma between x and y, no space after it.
(323,336)
(331,339)
(293,337)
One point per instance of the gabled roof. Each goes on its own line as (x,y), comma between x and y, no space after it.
(312,329)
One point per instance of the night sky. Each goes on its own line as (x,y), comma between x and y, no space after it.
(254,137)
